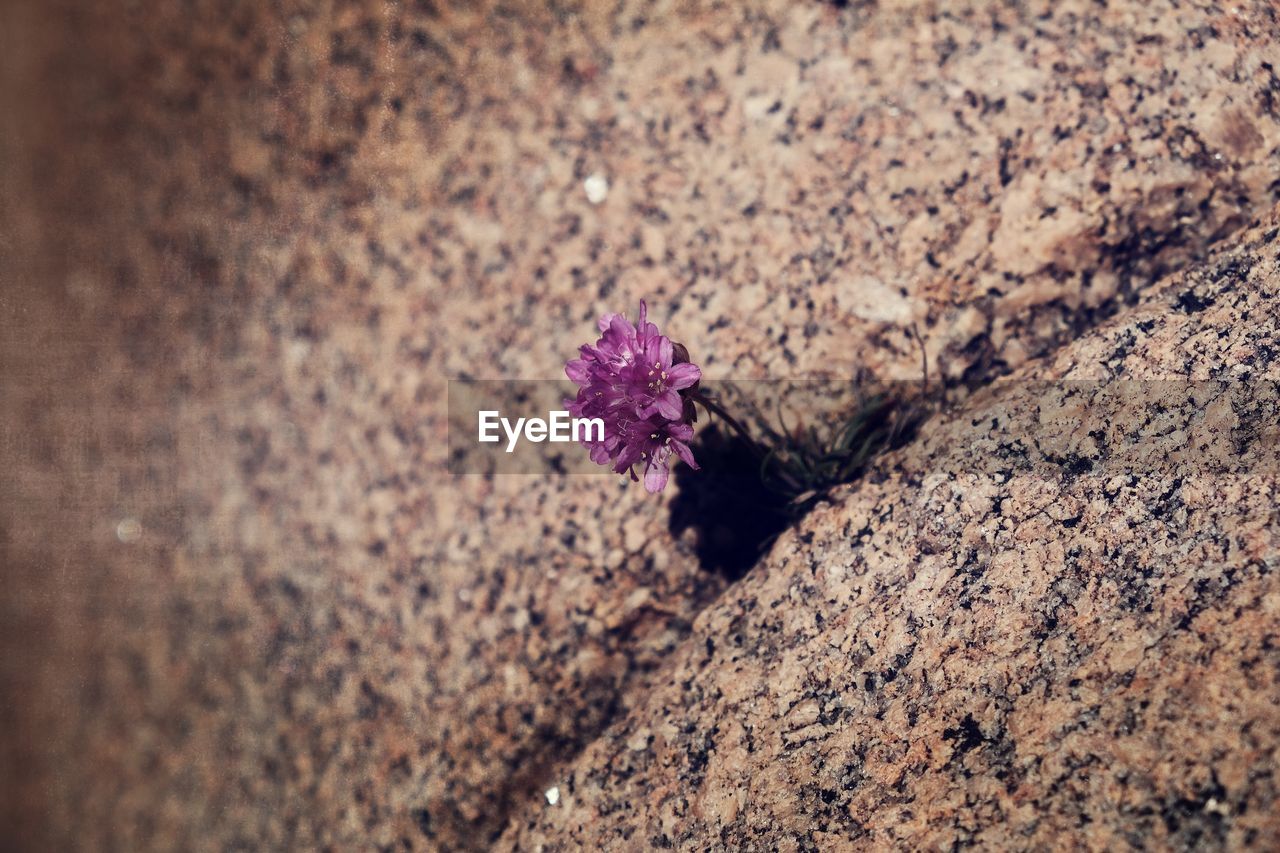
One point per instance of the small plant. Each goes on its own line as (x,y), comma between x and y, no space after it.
(803,462)
(647,392)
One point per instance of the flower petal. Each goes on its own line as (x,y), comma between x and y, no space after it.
(668,404)
(665,351)
(621,328)
(686,455)
(655,475)
(683,375)
(629,456)
(680,432)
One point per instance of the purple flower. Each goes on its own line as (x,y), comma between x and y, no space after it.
(650,443)
(620,345)
(655,383)
(631,379)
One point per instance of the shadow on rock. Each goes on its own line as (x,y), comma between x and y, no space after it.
(735,515)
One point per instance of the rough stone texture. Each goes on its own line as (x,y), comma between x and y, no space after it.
(1018,630)
(245,246)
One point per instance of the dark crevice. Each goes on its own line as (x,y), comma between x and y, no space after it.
(748,491)
(734,515)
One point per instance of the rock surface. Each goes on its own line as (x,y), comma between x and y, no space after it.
(993,641)
(252,609)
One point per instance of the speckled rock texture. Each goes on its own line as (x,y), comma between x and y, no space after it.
(245,246)
(990,641)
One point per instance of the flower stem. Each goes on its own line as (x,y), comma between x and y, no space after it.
(715,409)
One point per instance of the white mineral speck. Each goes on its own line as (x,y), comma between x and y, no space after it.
(596,188)
(129,530)
(553,795)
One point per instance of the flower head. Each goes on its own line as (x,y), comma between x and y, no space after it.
(631,379)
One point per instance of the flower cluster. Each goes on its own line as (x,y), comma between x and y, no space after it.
(631,379)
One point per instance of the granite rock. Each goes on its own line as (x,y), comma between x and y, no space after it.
(252,607)
(1006,635)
